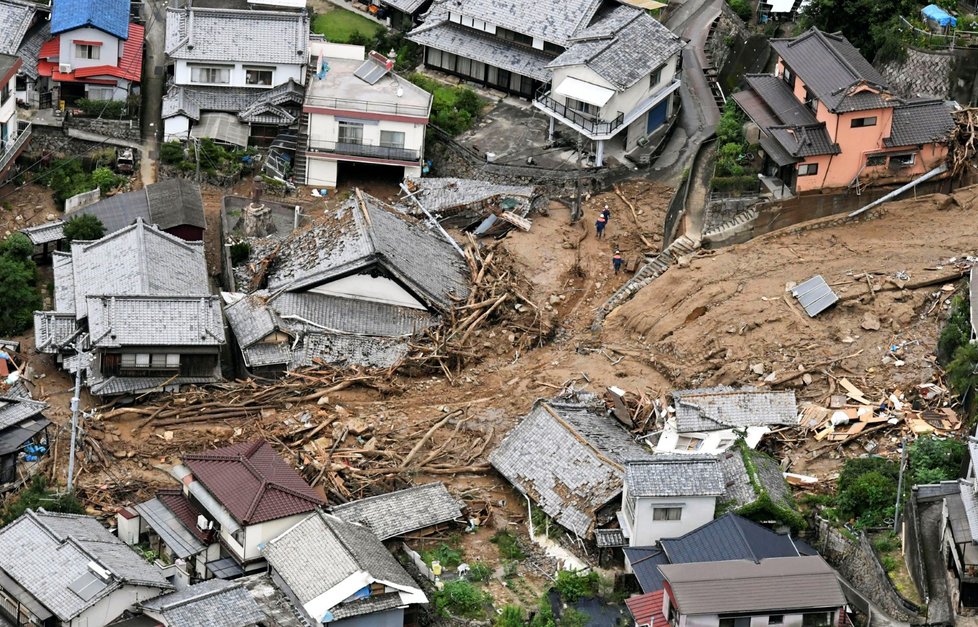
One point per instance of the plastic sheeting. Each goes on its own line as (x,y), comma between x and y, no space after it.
(936,14)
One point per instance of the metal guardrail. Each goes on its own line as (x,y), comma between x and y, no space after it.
(346,104)
(590,123)
(365,149)
(9,149)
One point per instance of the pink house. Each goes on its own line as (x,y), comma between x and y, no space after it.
(829,120)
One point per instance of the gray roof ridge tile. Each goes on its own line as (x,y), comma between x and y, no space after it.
(203,595)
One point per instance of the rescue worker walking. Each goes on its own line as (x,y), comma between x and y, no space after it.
(606,212)
(616,259)
(600,224)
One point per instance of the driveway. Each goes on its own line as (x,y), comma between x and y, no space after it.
(154,17)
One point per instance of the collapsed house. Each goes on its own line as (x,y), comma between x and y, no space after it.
(481,207)
(23,438)
(710,420)
(134,311)
(395,514)
(569,458)
(352,288)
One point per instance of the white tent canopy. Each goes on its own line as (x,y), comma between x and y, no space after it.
(584,91)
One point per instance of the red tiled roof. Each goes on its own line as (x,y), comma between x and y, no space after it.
(646,609)
(185,511)
(51,48)
(252,482)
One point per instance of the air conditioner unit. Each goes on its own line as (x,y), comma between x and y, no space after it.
(202,522)
(64,68)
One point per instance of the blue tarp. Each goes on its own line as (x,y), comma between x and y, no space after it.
(935,13)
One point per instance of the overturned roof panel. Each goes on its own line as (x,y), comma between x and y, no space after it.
(814,295)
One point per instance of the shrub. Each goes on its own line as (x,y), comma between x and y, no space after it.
(741,183)
(83,227)
(480,572)
(742,8)
(961,371)
(573,617)
(171,153)
(461,598)
(889,563)
(867,490)
(240,251)
(932,460)
(114,109)
(544,616)
(508,547)
(453,109)
(512,616)
(38,495)
(957,330)
(887,542)
(573,586)
(106,180)
(447,556)
(18,296)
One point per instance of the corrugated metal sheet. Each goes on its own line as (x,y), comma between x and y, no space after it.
(815,295)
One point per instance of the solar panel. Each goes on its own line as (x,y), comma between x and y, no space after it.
(87,586)
(814,295)
(371,71)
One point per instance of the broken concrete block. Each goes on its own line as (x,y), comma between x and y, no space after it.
(870,322)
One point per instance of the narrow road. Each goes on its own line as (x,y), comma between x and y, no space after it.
(154,17)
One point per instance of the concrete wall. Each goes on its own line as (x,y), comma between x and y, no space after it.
(261,533)
(697,511)
(8,109)
(281,73)
(176,128)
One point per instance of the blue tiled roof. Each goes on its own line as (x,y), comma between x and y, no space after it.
(645,562)
(110,16)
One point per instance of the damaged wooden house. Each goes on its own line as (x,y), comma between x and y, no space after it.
(23,439)
(710,420)
(134,311)
(479,207)
(569,458)
(352,288)
(424,508)
(229,503)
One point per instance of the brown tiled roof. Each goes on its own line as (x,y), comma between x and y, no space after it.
(185,511)
(252,482)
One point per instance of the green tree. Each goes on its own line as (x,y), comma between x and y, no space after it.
(932,460)
(866,490)
(18,296)
(38,495)
(957,330)
(961,372)
(84,227)
(17,246)
(105,179)
(461,598)
(856,20)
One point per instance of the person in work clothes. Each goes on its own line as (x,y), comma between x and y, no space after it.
(606,213)
(600,224)
(617,260)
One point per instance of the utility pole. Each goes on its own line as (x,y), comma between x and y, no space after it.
(197,159)
(903,462)
(578,211)
(75,401)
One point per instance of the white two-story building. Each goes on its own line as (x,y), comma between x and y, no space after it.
(359,112)
(14,133)
(236,74)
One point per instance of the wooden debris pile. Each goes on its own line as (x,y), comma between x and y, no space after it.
(961,142)
(497,298)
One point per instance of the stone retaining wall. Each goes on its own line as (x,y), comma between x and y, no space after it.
(922,73)
(120,129)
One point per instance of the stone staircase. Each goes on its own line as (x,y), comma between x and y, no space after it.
(654,267)
(302,139)
(749,215)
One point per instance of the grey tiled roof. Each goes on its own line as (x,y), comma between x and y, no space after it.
(167,204)
(115,321)
(15,18)
(322,551)
(350,239)
(15,410)
(805,141)
(674,475)
(713,409)
(397,513)
(443,195)
(30,49)
(776,151)
(623,46)
(64,281)
(740,490)
(225,35)
(215,603)
(465,42)
(920,122)
(53,329)
(568,459)
(125,385)
(830,66)
(251,319)
(556,21)
(368,605)
(407,6)
(45,233)
(137,260)
(730,537)
(45,553)
(775,93)
(252,105)
(348,350)
(274,603)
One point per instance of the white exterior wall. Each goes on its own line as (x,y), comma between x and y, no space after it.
(320,172)
(261,533)
(112,606)
(110,49)
(324,128)
(176,128)
(714,442)
(761,620)
(697,511)
(281,72)
(8,109)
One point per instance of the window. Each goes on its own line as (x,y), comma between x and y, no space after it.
(216,75)
(239,536)
(873,161)
(818,619)
(552,48)
(811,101)
(725,443)
(788,77)
(667,513)
(775,619)
(87,51)
(509,35)
(655,78)
(807,169)
(861,122)
(350,133)
(740,621)
(258,75)
(392,139)
(5,93)
(630,508)
(901,161)
(686,443)
(583,107)
(135,360)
